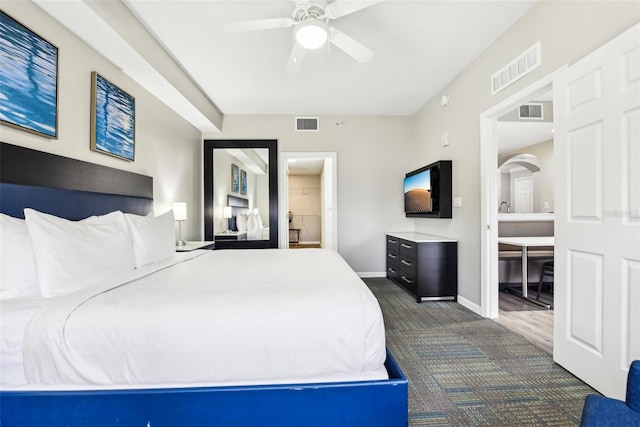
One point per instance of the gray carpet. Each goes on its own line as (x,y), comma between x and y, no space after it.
(464,370)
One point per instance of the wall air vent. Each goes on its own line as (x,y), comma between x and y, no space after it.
(516,69)
(307,124)
(530,112)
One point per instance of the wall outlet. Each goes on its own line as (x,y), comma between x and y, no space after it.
(546,205)
(457,202)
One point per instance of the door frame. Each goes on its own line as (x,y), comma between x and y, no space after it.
(489,289)
(329,196)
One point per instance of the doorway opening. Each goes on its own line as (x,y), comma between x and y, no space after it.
(504,136)
(308,185)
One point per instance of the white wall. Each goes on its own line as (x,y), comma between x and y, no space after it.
(373,154)
(167,147)
(568,30)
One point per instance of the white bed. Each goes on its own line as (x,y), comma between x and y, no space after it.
(72,265)
(207,317)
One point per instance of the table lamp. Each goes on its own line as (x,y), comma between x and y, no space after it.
(180,213)
(227,213)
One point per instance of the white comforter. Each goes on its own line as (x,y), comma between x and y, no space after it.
(224,317)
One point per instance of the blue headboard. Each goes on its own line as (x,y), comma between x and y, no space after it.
(68,188)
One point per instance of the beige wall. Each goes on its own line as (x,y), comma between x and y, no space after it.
(568,30)
(373,154)
(167,147)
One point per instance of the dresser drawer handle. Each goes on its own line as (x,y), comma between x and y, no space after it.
(406,246)
(392,241)
(392,256)
(407,263)
(407,280)
(392,270)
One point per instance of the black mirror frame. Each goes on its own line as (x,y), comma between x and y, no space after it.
(272,146)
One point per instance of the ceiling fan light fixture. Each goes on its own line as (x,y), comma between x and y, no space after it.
(311,33)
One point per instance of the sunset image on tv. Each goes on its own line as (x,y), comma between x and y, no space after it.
(417,193)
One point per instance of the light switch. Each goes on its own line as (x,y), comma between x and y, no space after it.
(457,202)
(445,139)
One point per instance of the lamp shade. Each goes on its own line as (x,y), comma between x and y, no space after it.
(226,212)
(180,211)
(311,33)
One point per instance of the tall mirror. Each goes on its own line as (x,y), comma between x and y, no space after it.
(241,193)
(525,157)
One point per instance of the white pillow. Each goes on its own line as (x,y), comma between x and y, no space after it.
(18,276)
(252,223)
(258,221)
(71,255)
(241,222)
(153,237)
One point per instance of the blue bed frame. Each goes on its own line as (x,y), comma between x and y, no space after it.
(74,189)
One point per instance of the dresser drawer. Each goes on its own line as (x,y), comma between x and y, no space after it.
(393,265)
(408,266)
(408,282)
(393,244)
(408,249)
(393,258)
(393,272)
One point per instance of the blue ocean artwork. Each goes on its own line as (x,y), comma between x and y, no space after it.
(28,79)
(115,120)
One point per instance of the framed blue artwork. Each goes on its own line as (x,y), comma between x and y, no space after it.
(243,181)
(113,119)
(235,178)
(29,76)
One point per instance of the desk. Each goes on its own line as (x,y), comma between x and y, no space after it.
(525,243)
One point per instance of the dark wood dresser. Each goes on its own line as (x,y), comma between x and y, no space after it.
(425,265)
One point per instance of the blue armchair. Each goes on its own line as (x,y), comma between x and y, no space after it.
(604,411)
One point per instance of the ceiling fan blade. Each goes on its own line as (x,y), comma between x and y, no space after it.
(340,8)
(350,46)
(295,59)
(258,25)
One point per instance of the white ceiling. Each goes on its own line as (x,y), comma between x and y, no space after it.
(419,47)
(305,166)
(515,135)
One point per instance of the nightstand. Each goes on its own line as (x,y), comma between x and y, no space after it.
(192,246)
(232,235)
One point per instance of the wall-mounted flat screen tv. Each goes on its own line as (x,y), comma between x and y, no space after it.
(427,191)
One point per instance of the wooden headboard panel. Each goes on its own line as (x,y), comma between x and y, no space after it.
(68,188)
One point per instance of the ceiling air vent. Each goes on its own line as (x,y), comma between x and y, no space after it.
(530,112)
(516,69)
(307,124)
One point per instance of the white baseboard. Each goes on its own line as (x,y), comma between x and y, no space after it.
(371,275)
(470,305)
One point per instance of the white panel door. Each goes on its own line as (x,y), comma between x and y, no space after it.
(597,228)
(524,195)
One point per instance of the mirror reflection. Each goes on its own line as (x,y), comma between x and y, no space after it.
(241,193)
(525,157)
(525,183)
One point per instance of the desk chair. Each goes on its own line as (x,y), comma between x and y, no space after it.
(545,270)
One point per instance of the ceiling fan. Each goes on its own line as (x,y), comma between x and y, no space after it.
(311,29)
